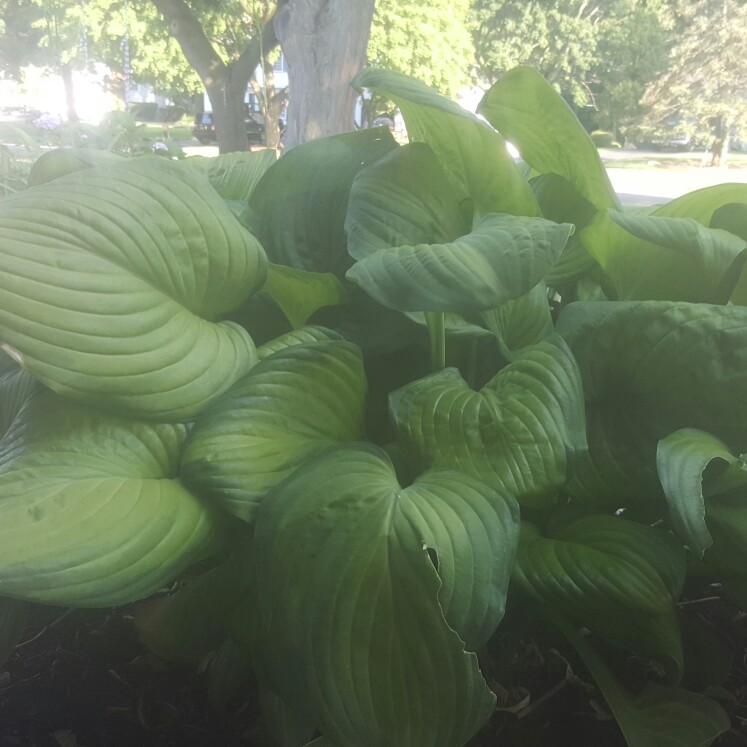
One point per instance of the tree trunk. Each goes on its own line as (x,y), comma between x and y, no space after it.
(324,42)
(228,108)
(66,73)
(225,84)
(720,147)
(271,103)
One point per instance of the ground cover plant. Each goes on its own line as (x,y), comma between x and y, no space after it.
(387,410)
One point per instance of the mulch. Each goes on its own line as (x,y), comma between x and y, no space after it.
(82,679)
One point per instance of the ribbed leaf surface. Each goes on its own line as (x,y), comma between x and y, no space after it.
(503,258)
(112,280)
(520,431)
(348,597)
(293,405)
(615,577)
(632,356)
(16,386)
(473,154)
(530,113)
(91,513)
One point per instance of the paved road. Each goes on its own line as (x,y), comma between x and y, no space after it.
(651,187)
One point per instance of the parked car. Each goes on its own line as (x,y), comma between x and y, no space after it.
(204,129)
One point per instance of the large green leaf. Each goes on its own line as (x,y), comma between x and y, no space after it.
(677,261)
(473,155)
(298,208)
(633,357)
(615,577)
(526,109)
(702,204)
(234,176)
(308,333)
(16,386)
(91,512)
(112,280)
(706,490)
(403,200)
(731,217)
(658,716)
(520,323)
(682,459)
(503,258)
(293,405)
(299,293)
(357,622)
(522,430)
(194,620)
(560,201)
(63,161)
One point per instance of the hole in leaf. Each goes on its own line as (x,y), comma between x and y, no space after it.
(432,554)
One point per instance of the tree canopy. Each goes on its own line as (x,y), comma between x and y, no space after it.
(429,41)
(704,86)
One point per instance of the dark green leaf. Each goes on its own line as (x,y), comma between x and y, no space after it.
(350,599)
(298,208)
(658,716)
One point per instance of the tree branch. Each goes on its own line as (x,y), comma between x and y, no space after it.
(198,50)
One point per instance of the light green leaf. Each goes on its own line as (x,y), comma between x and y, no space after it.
(731,217)
(298,209)
(656,717)
(529,113)
(702,204)
(309,333)
(473,155)
(681,459)
(710,256)
(403,200)
(16,386)
(56,163)
(617,578)
(503,258)
(521,431)
(640,269)
(234,176)
(91,513)
(112,280)
(299,293)
(354,608)
(293,405)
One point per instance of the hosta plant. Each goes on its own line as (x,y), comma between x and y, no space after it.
(380,409)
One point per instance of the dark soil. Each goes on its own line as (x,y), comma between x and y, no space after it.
(82,679)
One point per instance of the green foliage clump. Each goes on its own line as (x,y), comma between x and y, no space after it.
(396,407)
(604,139)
